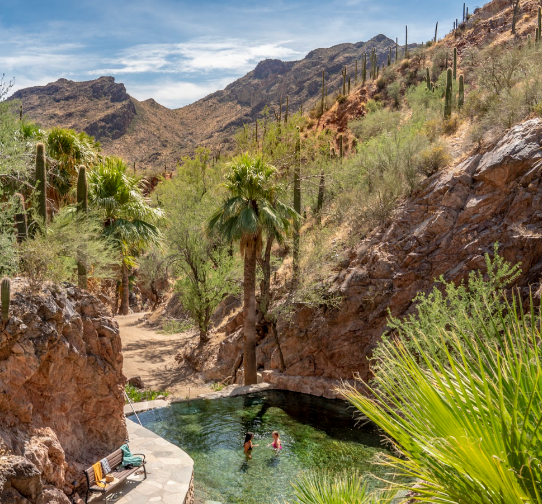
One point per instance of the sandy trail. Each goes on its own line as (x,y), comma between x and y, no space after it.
(151,356)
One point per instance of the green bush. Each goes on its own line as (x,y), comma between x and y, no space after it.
(433,158)
(137,395)
(464,413)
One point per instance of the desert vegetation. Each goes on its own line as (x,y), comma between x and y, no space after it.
(456,385)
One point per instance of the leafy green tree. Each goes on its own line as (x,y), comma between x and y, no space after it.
(130,222)
(66,150)
(251,210)
(204,269)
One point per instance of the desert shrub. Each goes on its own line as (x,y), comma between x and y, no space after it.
(137,395)
(433,158)
(375,123)
(460,396)
(321,487)
(405,64)
(172,326)
(52,253)
(381,83)
(394,92)
(450,124)
(341,99)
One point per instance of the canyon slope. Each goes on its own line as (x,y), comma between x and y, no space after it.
(445,228)
(155,137)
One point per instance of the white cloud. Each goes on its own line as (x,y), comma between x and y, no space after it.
(197,56)
(175,94)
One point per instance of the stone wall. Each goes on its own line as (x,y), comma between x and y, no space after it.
(61,392)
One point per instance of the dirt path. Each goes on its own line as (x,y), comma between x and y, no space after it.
(151,356)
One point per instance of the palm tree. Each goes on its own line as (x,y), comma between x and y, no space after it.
(252,210)
(129,220)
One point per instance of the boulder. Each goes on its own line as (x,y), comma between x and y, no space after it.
(60,371)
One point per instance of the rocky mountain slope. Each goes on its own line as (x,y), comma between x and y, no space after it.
(154,136)
(61,393)
(443,229)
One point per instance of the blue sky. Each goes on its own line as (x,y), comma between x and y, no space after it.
(178,51)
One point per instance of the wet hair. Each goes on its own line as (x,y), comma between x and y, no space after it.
(276,432)
(248,436)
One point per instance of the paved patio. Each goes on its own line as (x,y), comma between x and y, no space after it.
(170,472)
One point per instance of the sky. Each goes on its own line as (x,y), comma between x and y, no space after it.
(178,51)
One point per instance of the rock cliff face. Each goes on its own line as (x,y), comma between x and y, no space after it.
(61,393)
(443,229)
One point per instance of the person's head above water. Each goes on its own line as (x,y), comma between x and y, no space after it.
(248,436)
(276,434)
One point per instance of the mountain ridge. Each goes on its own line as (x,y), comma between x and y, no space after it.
(155,137)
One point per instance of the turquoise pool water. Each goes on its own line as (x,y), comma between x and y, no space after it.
(316,434)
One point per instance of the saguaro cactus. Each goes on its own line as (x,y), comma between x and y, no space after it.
(461,98)
(82,190)
(406,41)
(5,295)
(463,13)
(448,95)
(356,74)
(321,190)
(539,22)
(82,206)
(323,89)
(428,79)
(343,73)
(349,84)
(364,69)
(341,152)
(20,218)
(41,181)
(436,30)
(455,63)
(389,57)
(396,48)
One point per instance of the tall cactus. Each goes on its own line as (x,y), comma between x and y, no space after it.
(82,190)
(427,79)
(364,69)
(537,36)
(463,13)
(448,95)
(455,63)
(436,30)
(323,89)
(539,22)
(82,206)
(389,57)
(41,182)
(20,218)
(5,295)
(406,42)
(461,98)
(341,152)
(286,111)
(343,73)
(349,84)
(356,74)
(320,201)
(396,49)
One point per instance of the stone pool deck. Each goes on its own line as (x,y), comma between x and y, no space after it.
(170,472)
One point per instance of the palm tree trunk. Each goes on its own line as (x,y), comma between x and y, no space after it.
(125,301)
(249,315)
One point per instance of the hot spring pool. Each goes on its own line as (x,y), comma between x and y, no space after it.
(316,434)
